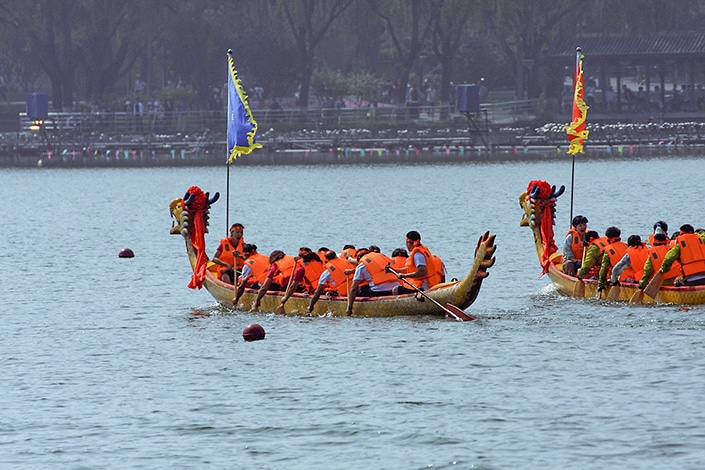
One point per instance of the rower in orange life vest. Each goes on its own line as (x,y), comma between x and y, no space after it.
(281,267)
(612,254)
(573,245)
(593,256)
(254,272)
(399,256)
(631,267)
(689,250)
(333,280)
(228,255)
(371,278)
(420,269)
(655,255)
(308,271)
(659,227)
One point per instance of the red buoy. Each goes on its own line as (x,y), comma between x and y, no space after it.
(253,332)
(126,253)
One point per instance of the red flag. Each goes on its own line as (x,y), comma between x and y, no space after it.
(576,130)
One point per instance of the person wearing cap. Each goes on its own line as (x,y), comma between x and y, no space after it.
(659,227)
(631,267)
(254,271)
(573,247)
(689,250)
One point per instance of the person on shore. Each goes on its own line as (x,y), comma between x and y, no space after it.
(371,278)
(689,250)
(573,247)
(631,267)
(592,259)
(228,255)
(333,279)
(254,270)
(420,269)
(281,267)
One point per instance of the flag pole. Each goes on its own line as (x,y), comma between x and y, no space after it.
(576,130)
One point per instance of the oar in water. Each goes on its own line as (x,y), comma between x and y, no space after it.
(449,309)
(637,297)
(654,285)
(281,310)
(614,292)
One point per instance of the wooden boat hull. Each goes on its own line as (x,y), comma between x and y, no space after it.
(461,293)
(566,285)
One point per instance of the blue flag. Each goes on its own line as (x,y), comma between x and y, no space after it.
(242,127)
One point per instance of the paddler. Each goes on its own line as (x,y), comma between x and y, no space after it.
(573,245)
(655,256)
(631,267)
(612,254)
(254,271)
(420,269)
(689,250)
(371,278)
(593,256)
(228,255)
(333,280)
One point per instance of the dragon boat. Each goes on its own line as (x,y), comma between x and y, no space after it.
(191,213)
(539,204)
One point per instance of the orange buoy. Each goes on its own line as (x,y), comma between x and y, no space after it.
(126,253)
(253,332)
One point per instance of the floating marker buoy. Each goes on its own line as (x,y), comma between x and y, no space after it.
(126,253)
(253,332)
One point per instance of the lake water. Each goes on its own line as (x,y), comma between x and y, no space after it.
(115,363)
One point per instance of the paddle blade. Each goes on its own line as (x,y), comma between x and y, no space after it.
(280,310)
(459,314)
(613,294)
(655,284)
(579,289)
(637,298)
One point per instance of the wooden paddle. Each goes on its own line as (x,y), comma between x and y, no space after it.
(637,297)
(579,289)
(449,309)
(654,285)
(281,310)
(614,292)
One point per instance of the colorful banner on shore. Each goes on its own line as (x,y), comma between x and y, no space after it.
(576,130)
(242,127)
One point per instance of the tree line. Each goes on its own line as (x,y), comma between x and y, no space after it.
(96,51)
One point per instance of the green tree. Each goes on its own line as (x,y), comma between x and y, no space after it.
(308,22)
(409,25)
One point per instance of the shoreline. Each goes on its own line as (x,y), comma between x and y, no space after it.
(342,156)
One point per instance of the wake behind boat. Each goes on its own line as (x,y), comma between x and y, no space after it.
(539,214)
(191,222)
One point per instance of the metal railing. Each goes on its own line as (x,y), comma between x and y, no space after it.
(159,122)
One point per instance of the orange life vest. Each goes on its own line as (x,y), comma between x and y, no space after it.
(692,257)
(312,272)
(576,244)
(651,240)
(432,276)
(375,263)
(259,265)
(398,262)
(637,258)
(616,252)
(226,255)
(657,254)
(337,267)
(285,267)
(347,251)
(440,268)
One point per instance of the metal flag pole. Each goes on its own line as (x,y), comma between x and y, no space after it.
(577,88)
